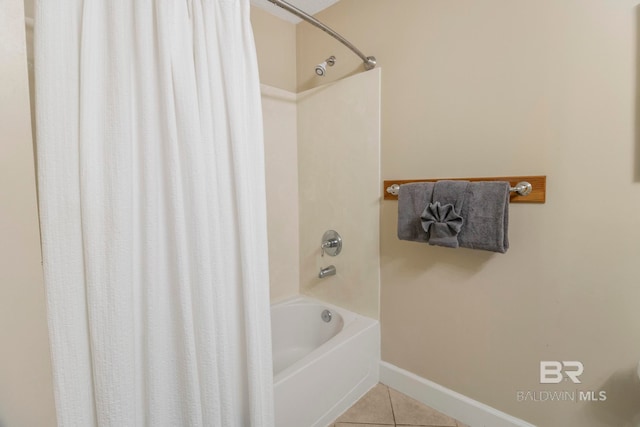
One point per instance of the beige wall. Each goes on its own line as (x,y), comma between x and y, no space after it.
(499,87)
(339,172)
(26,390)
(279,111)
(276,47)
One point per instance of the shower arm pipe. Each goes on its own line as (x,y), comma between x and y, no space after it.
(369,61)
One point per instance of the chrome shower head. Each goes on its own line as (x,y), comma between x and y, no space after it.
(321,68)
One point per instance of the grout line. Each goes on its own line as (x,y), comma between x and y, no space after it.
(393,413)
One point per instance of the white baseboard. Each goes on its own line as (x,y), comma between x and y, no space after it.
(447,401)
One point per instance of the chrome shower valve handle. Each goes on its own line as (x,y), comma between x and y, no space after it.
(331,243)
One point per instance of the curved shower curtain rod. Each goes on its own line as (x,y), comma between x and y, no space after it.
(369,61)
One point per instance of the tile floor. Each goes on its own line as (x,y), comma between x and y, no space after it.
(383,406)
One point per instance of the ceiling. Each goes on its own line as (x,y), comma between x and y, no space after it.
(309,6)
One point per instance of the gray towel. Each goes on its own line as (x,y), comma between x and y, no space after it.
(486,215)
(412,199)
(441,218)
(484,210)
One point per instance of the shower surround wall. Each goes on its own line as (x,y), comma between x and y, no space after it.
(332,184)
(281,159)
(339,176)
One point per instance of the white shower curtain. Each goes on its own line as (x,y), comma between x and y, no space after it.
(152,202)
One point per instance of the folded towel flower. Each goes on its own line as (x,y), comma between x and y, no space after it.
(442,223)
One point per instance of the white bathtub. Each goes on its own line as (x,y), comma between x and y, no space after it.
(320,368)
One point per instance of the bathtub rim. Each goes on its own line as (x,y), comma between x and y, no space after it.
(354,324)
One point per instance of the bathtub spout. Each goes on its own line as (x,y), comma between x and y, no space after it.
(327,271)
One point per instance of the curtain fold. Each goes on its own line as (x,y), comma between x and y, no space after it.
(153,213)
